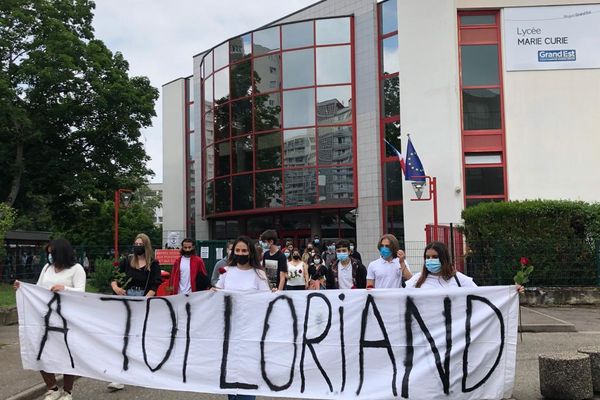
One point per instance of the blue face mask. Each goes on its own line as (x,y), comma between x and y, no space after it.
(265,246)
(287,254)
(385,252)
(50,259)
(433,265)
(342,256)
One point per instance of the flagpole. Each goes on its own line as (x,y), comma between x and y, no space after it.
(433,183)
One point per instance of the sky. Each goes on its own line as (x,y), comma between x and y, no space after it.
(158,38)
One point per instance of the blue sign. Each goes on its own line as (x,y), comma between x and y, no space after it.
(556,55)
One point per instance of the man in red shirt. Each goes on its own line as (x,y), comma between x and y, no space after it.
(189,273)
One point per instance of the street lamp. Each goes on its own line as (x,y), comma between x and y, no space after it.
(418,187)
(121,195)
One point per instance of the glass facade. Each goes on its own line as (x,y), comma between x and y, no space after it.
(389,86)
(277,120)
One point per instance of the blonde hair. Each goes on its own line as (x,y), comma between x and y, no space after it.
(148,252)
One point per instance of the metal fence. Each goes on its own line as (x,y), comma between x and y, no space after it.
(557,263)
(560,263)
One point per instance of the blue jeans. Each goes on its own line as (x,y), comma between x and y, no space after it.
(240,397)
(135,292)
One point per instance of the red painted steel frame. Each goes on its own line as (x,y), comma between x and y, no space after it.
(482,148)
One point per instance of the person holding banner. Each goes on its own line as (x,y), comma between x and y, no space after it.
(244,271)
(391,269)
(62,272)
(143,271)
(438,271)
(189,273)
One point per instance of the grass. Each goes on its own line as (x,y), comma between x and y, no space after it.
(8,299)
(7,295)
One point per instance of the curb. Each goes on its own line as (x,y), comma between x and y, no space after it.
(548,328)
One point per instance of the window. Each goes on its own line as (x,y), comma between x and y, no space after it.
(482,109)
(277,119)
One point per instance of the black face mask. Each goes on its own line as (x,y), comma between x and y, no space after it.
(296,256)
(187,253)
(241,259)
(139,250)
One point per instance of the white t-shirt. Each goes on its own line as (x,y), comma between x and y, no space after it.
(239,279)
(185,285)
(345,276)
(436,282)
(72,278)
(386,274)
(295,275)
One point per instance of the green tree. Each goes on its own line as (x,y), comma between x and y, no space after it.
(7,219)
(95,227)
(70,114)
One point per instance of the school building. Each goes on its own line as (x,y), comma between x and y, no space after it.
(284,127)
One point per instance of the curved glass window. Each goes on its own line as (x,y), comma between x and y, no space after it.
(299,108)
(333,65)
(333,31)
(297,35)
(278,126)
(298,68)
(266,41)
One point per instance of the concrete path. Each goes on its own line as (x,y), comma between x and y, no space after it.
(580,327)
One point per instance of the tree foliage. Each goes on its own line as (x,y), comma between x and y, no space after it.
(70,115)
(7,219)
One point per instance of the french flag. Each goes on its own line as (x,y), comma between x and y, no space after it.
(400,156)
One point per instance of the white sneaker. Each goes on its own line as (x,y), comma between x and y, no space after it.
(66,396)
(53,395)
(115,386)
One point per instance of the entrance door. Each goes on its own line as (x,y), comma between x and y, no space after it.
(300,237)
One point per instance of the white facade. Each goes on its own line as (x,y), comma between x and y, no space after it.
(551,122)
(174,159)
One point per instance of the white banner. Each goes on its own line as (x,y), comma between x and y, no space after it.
(372,344)
(560,37)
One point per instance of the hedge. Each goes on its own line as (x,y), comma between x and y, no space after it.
(560,238)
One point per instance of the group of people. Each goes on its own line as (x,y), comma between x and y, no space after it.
(245,268)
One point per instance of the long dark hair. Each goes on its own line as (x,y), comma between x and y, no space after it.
(447,271)
(252,256)
(63,256)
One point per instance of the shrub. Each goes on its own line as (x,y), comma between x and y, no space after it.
(559,237)
(102,275)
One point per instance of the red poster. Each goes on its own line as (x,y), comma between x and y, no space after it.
(166,256)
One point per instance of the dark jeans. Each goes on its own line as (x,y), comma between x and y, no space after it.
(296,287)
(240,397)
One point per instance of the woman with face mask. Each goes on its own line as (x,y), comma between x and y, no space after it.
(297,272)
(62,273)
(438,271)
(317,273)
(142,272)
(142,268)
(244,271)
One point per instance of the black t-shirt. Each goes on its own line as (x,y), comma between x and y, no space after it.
(278,259)
(316,274)
(142,278)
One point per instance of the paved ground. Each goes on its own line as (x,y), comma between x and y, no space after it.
(14,381)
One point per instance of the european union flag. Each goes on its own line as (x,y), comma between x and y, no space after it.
(414,167)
